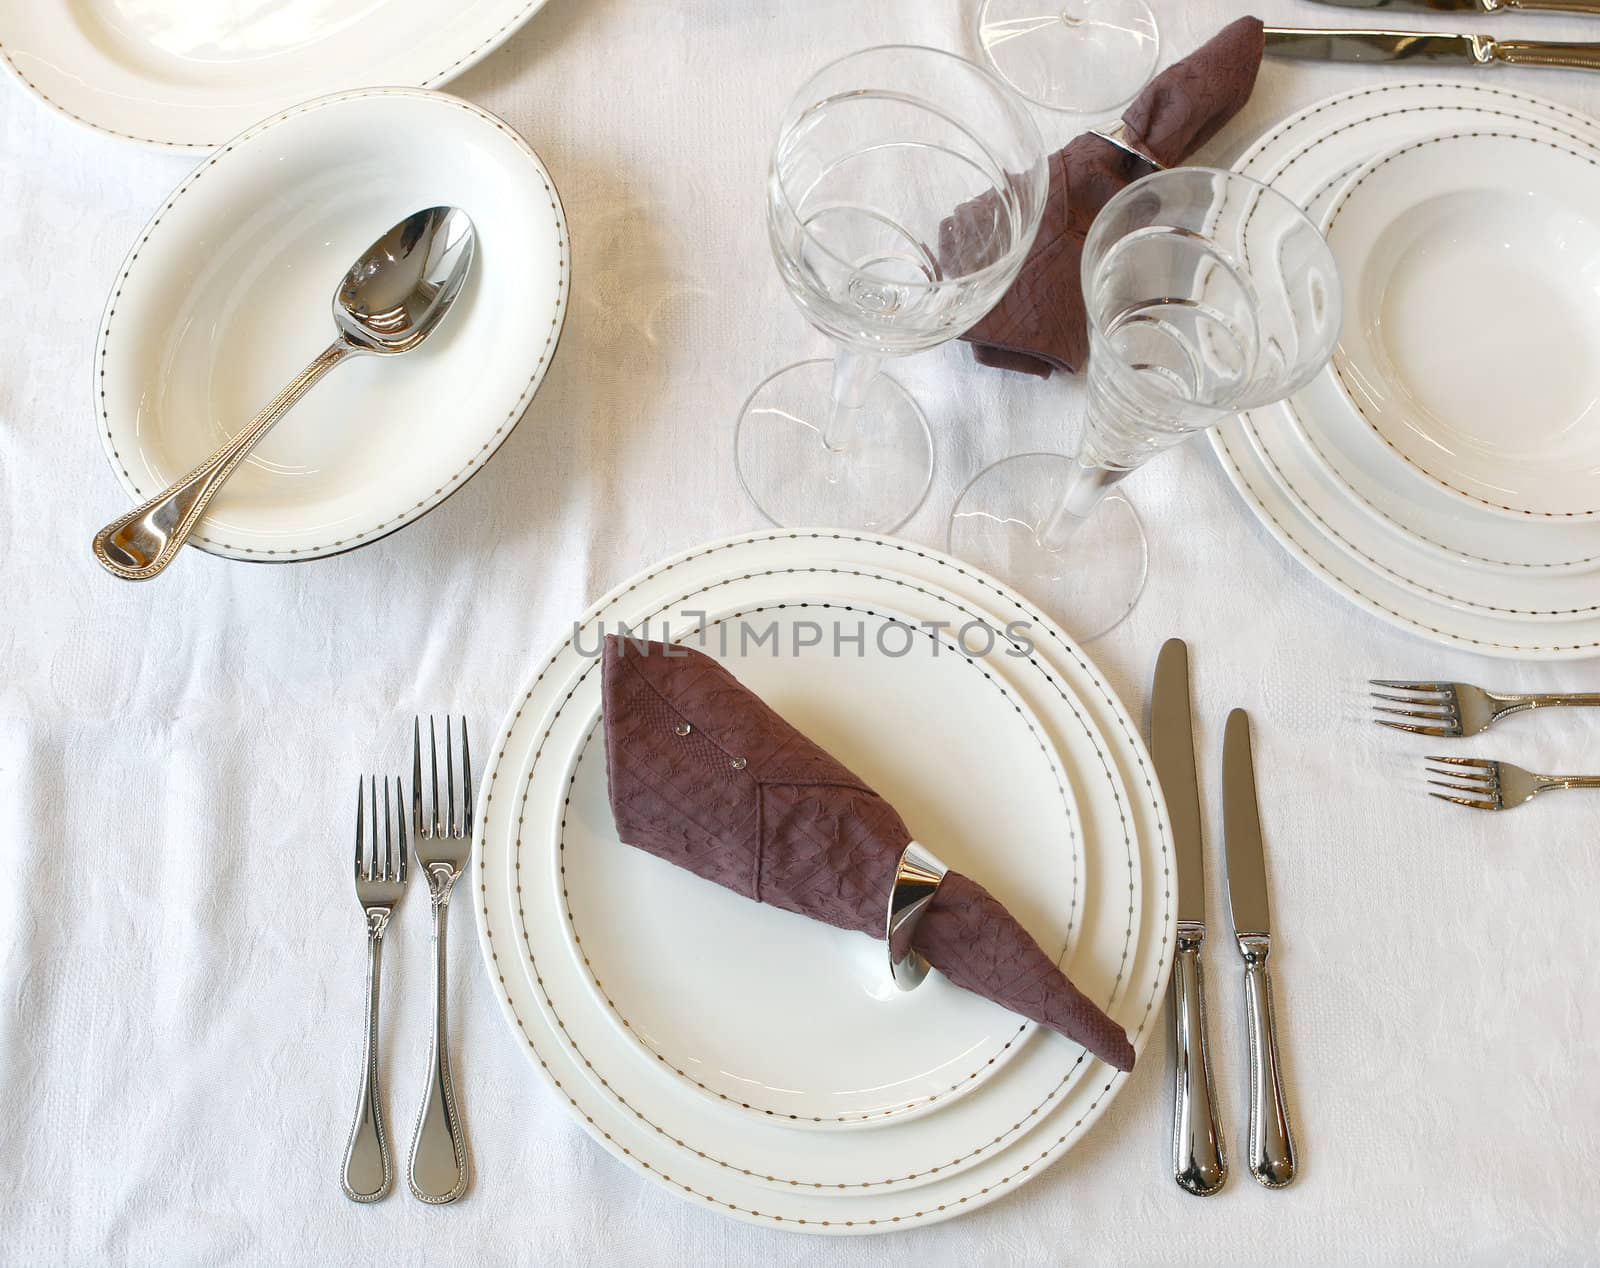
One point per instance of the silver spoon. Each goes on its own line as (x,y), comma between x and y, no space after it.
(392,299)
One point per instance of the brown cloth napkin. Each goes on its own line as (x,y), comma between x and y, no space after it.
(705,775)
(1039,324)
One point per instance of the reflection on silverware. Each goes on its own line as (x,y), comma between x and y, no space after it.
(380,881)
(1493,785)
(389,302)
(1459,708)
(1336,44)
(1272,1152)
(1199,1158)
(439,1168)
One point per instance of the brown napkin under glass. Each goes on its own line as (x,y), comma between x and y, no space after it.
(1039,324)
(704,774)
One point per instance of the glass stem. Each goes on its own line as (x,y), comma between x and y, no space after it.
(853,373)
(1085,487)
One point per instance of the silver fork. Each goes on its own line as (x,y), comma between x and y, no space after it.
(1459,708)
(1498,785)
(380,881)
(439,1146)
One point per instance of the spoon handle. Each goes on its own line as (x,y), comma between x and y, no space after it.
(138,545)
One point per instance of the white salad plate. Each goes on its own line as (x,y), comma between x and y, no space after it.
(567,937)
(227,294)
(1336,498)
(1471,264)
(188,75)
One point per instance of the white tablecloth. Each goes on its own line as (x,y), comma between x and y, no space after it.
(181,959)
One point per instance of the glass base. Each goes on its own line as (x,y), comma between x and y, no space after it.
(875,482)
(1089,585)
(1081,56)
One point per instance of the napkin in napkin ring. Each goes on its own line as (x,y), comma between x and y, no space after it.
(917,877)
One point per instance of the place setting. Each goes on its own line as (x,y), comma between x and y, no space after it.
(819,872)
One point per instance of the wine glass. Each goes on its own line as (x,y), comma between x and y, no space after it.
(1076,55)
(904,193)
(1207,293)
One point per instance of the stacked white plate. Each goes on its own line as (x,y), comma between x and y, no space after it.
(761,1063)
(189,75)
(1444,471)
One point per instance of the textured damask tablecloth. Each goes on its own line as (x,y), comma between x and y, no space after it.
(180,955)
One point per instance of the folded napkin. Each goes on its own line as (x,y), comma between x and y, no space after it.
(705,775)
(1039,324)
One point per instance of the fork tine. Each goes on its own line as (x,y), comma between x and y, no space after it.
(1483,777)
(466,775)
(1438,732)
(1431,715)
(388,834)
(449,777)
(400,824)
(1399,685)
(1479,789)
(1437,701)
(433,762)
(1482,763)
(416,776)
(372,850)
(361,814)
(1463,801)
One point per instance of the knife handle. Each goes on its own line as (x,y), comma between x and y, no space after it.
(1272,1160)
(1199,1163)
(1544,53)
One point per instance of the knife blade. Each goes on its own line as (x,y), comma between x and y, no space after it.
(1471,6)
(1348,44)
(1199,1159)
(1272,1152)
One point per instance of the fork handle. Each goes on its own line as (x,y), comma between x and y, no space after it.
(1568,781)
(1548,700)
(367,1171)
(439,1147)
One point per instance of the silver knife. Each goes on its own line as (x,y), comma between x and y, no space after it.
(1346,44)
(1271,1144)
(1472,6)
(1199,1162)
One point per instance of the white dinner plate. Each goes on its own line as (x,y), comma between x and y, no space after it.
(1342,537)
(227,294)
(1472,270)
(902,1155)
(188,74)
(778,1015)
(915,1169)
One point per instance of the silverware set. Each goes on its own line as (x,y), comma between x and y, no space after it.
(1199,1155)
(442,840)
(1456,709)
(1341,44)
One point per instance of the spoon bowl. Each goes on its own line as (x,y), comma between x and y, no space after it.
(400,289)
(388,302)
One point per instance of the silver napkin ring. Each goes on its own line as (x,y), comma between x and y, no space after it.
(916,880)
(1117,135)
